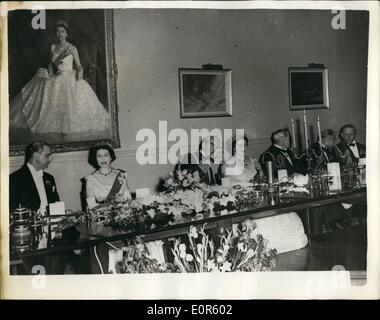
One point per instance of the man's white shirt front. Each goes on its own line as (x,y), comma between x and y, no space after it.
(39,182)
(355,149)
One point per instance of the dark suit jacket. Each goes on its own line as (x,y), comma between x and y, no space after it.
(343,148)
(22,189)
(279,160)
(193,162)
(318,162)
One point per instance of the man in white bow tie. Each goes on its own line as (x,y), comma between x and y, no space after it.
(31,186)
(351,152)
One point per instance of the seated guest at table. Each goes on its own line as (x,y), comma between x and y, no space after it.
(30,186)
(326,217)
(322,154)
(350,149)
(106,182)
(207,161)
(285,232)
(290,225)
(245,171)
(280,154)
(103,185)
(33,188)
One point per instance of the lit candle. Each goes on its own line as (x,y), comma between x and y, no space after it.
(293,135)
(305,129)
(319,132)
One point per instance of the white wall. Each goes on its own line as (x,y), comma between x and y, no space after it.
(258,45)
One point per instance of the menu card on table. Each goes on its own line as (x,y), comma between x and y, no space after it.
(333,170)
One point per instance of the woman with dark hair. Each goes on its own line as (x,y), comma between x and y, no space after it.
(106,182)
(57,102)
(284,232)
(243,171)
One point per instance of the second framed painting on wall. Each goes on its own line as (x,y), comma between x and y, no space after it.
(308,88)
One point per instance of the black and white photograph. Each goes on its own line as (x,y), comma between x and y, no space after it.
(254,125)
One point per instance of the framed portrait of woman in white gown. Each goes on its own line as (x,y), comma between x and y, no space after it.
(62,80)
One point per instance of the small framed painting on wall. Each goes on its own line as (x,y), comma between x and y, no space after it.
(205,93)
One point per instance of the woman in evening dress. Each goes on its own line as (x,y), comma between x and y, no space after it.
(106,182)
(57,102)
(103,185)
(241,172)
(284,232)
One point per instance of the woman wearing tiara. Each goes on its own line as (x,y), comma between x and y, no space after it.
(105,183)
(57,103)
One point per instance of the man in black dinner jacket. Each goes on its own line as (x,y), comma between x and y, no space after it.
(30,186)
(348,146)
(351,151)
(33,188)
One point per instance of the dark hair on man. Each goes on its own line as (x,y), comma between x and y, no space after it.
(234,143)
(210,139)
(33,147)
(94,150)
(327,133)
(284,131)
(351,126)
(62,24)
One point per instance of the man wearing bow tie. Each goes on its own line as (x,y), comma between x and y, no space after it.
(280,154)
(30,186)
(351,151)
(349,148)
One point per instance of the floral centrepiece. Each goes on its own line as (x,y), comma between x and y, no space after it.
(185,200)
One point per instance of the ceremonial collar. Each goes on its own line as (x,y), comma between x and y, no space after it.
(279,147)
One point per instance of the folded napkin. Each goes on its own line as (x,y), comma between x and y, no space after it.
(300,180)
(300,189)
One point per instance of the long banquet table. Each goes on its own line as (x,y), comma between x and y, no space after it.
(86,237)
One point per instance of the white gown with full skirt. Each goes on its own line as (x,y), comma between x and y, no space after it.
(59,105)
